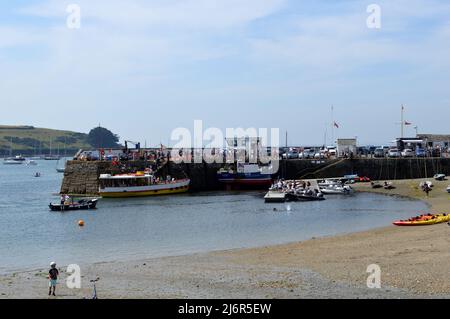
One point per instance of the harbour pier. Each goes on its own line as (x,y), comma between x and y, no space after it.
(82,177)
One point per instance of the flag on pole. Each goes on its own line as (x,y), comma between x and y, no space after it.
(408,123)
(336,125)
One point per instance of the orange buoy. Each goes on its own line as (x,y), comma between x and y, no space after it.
(81,223)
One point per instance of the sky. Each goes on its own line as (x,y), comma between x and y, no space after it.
(145,68)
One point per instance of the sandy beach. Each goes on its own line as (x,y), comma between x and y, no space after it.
(414,263)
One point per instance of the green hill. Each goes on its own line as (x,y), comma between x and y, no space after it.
(29,140)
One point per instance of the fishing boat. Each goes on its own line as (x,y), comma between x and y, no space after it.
(246,174)
(139,184)
(83,204)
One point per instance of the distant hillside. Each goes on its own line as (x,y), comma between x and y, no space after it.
(28,140)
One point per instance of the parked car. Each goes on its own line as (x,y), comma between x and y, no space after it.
(292,154)
(379,152)
(332,151)
(394,153)
(363,150)
(407,153)
(420,152)
(308,153)
(320,155)
(372,149)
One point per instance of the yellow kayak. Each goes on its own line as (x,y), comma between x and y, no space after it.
(424,220)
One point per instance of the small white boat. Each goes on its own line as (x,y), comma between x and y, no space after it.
(14,160)
(31,163)
(440,177)
(448,189)
(336,190)
(329,183)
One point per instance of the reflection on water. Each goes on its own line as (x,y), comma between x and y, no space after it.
(123,229)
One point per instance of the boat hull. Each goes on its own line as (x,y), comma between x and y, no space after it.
(334,192)
(303,198)
(83,205)
(245,179)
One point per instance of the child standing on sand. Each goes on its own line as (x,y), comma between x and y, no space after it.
(53,277)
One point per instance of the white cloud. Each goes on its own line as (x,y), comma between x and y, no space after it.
(339,42)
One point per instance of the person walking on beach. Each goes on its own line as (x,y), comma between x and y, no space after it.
(53,277)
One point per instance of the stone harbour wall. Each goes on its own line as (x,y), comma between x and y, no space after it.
(82,178)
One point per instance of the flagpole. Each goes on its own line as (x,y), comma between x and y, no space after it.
(332,124)
(402,122)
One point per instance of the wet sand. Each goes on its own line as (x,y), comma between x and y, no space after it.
(414,261)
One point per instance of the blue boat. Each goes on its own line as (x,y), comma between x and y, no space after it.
(246,174)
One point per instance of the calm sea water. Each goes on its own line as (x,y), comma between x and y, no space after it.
(126,229)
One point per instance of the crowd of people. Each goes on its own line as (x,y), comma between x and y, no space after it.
(294,187)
